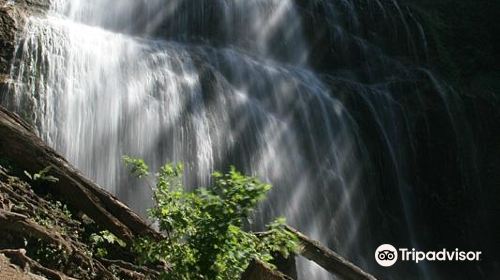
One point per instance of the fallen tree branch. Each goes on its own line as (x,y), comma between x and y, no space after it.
(20,145)
(328,259)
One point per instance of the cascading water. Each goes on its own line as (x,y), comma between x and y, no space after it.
(234,88)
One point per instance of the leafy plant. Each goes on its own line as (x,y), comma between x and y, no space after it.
(99,242)
(204,235)
(42,175)
(137,166)
(47,253)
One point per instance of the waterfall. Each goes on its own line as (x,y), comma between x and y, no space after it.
(214,83)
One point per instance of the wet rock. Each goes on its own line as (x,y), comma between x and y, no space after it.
(12,19)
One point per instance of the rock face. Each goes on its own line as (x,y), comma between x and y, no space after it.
(12,20)
(8,28)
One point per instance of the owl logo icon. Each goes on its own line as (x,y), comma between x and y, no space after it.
(386,255)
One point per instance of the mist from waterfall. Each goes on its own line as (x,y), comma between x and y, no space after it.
(98,81)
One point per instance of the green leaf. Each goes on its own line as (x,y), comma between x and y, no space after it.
(137,166)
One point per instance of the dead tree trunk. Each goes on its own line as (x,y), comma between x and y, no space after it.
(328,259)
(20,145)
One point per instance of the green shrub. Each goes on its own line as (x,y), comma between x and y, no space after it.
(203,228)
(99,242)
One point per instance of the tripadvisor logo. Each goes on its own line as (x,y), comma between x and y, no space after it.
(387,255)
